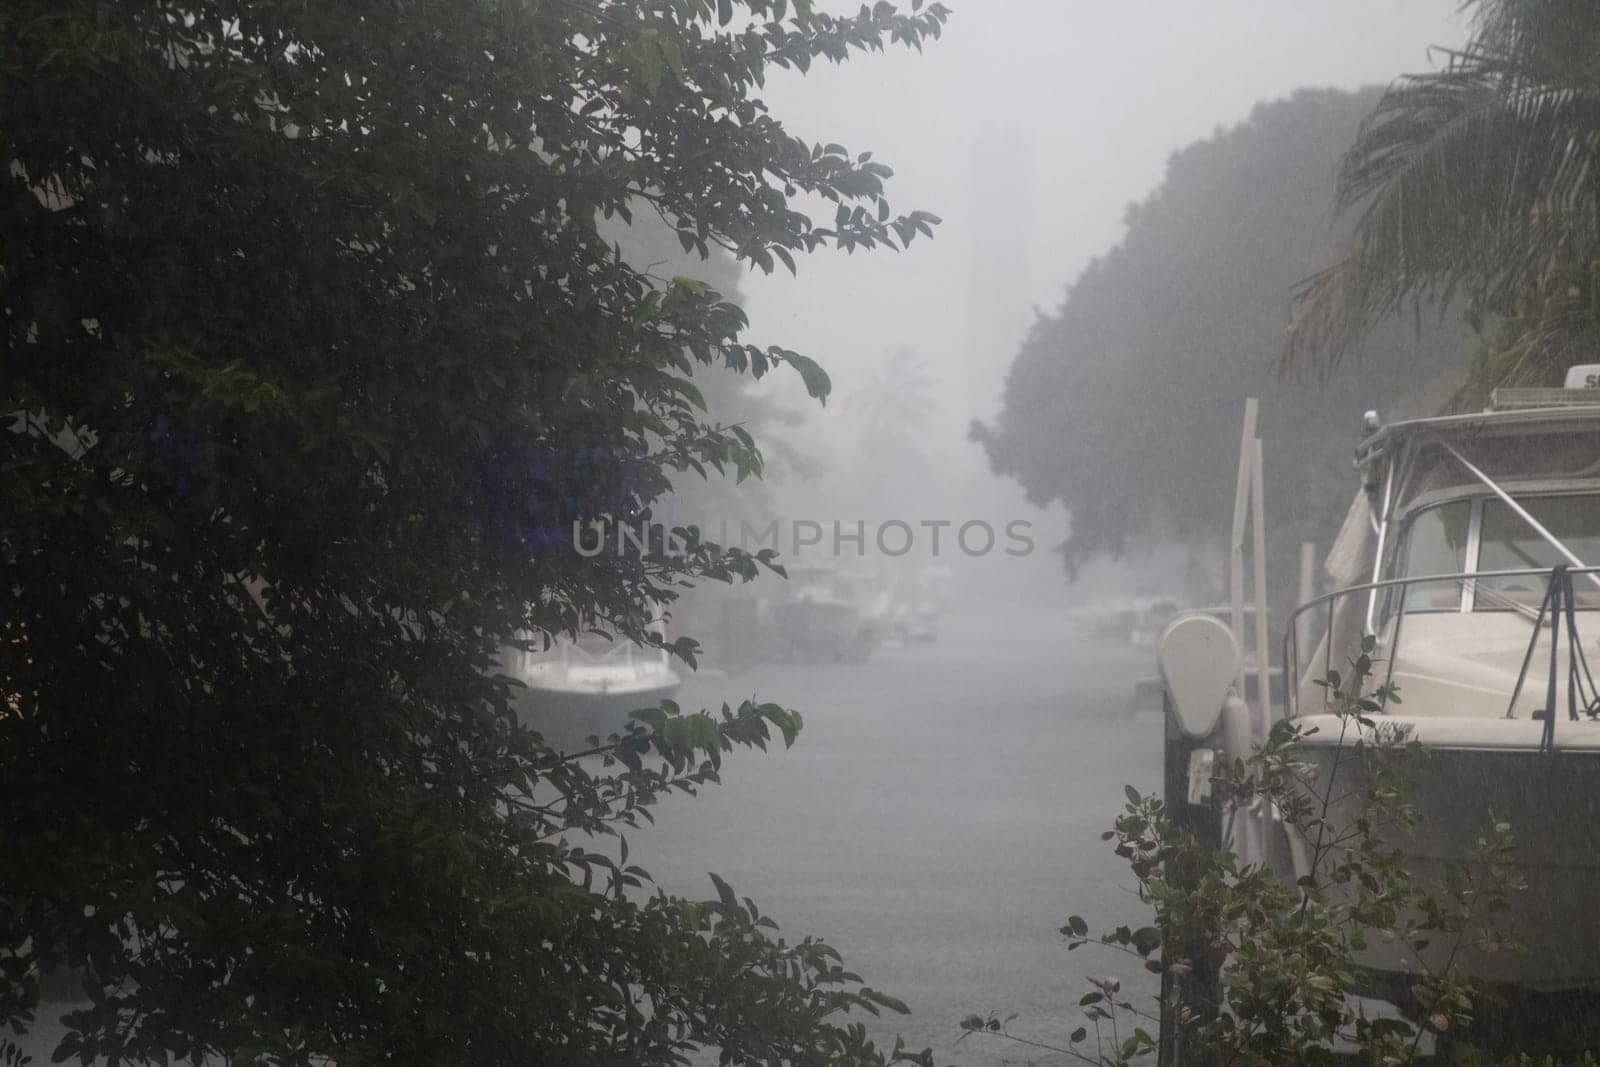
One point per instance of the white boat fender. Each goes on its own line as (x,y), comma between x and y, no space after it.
(1237,734)
(1251,821)
(1299,850)
(1198,657)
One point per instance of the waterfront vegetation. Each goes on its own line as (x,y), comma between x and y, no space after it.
(1469,193)
(315,348)
(1475,185)
(1464,256)
(1259,968)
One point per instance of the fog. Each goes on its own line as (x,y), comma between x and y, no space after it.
(1098,96)
(943,814)
(1029,129)
(975,686)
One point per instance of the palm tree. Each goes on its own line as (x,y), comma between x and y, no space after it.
(899,396)
(1479,182)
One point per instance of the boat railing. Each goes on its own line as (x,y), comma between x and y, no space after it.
(1477,593)
(574,654)
(569,653)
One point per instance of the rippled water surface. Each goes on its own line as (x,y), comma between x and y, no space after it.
(937,821)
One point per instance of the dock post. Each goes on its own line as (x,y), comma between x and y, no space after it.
(1199,990)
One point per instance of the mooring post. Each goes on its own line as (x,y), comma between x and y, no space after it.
(1190,998)
(1199,657)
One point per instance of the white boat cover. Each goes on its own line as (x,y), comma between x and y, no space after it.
(1349,559)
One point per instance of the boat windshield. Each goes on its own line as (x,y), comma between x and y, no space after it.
(1508,543)
(1483,534)
(1436,543)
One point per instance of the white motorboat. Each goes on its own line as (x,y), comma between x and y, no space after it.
(587,686)
(1468,553)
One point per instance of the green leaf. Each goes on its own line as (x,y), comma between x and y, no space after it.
(817,382)
(725,892)
(894,1004)
(693,285)
(316,414)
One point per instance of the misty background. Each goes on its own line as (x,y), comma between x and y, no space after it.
(1030,129)
(1129,194)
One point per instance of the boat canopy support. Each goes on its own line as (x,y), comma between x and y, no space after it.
(1249,507)
(1522,513)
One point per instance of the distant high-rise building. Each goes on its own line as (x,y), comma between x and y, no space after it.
(998,308)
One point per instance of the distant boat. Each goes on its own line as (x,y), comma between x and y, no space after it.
(821,617)
(587,686)
(1148,620)
(1135,621)
(906,606)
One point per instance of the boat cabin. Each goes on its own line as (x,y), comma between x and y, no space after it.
(1446,556)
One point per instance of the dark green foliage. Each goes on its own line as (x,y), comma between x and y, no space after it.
(1287,950)
(1477,182)
(1125,403)
(315,354)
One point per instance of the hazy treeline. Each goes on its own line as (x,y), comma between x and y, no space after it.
(1124,404)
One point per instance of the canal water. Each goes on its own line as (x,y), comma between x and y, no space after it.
(937,821)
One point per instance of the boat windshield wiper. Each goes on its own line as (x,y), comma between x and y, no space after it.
(1523,514)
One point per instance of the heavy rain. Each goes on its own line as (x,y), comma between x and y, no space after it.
(781,532)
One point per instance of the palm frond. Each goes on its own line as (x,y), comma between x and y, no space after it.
(1472,182)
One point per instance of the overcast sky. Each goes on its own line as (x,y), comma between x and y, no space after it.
(1104,92)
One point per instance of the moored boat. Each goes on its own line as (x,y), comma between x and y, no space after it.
(587,686)
(1467,556)
(820,619)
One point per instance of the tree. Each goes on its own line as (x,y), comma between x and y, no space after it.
(315,355)
(1124,404)
(889,415)
(731,398)
(1479,181)
(897,399)
(721,503)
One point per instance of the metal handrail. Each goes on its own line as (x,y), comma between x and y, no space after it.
(567,654)
(618,649)
(1290,644)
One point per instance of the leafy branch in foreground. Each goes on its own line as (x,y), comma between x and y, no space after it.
(1288,949)
(316,351)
